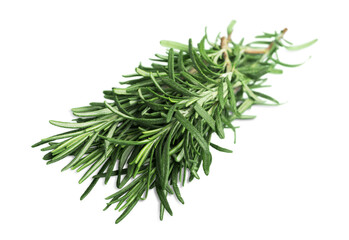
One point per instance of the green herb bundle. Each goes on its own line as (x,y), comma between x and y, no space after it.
(156,132)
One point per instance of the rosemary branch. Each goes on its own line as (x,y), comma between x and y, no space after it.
(157,130)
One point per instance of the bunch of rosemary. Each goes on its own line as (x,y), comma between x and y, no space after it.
(155,131)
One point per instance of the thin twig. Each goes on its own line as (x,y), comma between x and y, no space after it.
(265,50)
(224,46)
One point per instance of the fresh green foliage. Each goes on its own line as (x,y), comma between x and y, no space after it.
(153,132)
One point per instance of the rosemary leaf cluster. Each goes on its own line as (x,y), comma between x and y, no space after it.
(156,132)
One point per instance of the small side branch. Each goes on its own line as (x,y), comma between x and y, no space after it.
(265,50)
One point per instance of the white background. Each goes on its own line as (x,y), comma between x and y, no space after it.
(288,177)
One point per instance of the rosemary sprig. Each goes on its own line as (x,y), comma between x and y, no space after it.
(151,133)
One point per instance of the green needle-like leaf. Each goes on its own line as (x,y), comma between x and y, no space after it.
(163,199)
(205,115)
(196,134)
(230,27)
(174,45)
(302,46)
(171,72)
(219,148)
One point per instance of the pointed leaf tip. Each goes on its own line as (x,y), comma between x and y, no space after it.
(230,27)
